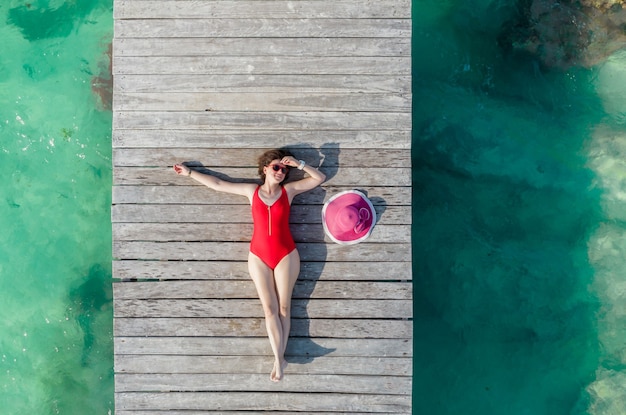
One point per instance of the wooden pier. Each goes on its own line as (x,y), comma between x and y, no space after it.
(216,83)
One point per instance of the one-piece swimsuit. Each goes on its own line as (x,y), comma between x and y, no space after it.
(271,237)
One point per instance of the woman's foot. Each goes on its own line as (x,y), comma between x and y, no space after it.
(277,371)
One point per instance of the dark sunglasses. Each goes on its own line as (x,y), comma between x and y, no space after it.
(277,167)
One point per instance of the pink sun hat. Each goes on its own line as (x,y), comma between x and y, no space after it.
(348,217)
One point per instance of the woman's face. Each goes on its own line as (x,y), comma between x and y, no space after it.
(275,171)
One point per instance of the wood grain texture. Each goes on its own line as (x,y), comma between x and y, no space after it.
(233,83)
(302,9)
(246,46)
(330,157)
(298,349)
(236,120)
(255,327)
(263,401)
(345,176)
(262,27)
(238,232)
(312,214)
(197,382)
(222,289)
(340,365)
(263,138)
(215,83)
(249,308)
(236,251)
(155,270)
(195,194)
(260,101)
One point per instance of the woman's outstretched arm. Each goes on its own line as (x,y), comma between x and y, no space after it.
(217,184)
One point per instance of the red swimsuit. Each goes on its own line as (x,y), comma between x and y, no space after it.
(271,238)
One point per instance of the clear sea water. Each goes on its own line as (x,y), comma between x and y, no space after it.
(55,250)
(519,223)
(519,235)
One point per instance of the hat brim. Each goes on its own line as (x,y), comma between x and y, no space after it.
(342,199)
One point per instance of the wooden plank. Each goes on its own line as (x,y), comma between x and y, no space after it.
(388,215)
(196,193)
(259,28)
(221,412)
(263,83)
(255,327)
(181,232)
(259,401)
(298,349)
(373,176)
(250,46)
(361,178)
(236,251)
(260,101)
(238,214)
(258,121)
(346,365)
(262,65)
(317,271)
(247,157)
(239,232)
(265,138)
(200,382)
(248,308)
(245,289)
(223,9)
(207,120)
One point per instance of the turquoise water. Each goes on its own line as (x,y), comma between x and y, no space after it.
(519,223)
(55,154)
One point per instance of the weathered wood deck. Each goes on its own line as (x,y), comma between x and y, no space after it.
(218,82)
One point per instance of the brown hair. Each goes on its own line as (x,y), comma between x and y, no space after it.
(266,158)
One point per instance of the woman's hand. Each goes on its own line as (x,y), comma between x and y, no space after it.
(182,170)
(289,161)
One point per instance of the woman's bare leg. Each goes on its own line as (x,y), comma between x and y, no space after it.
(285,277)
(263,279)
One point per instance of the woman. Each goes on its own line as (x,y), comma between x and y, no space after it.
(273,261)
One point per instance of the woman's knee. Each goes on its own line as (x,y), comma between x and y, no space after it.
(271,310)
(285,310)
